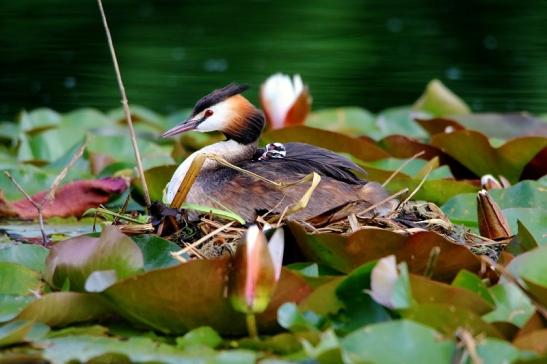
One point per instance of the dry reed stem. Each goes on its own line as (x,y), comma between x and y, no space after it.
(405,163)
(470,344)
(126,110)
(201,240)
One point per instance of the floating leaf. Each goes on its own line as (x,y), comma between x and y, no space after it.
(14,332)
(11,305)
(473,283)
(503,126)
(346,252)
(186,287)
(156,251)
(437,99)
(31,256)
(399,120)
(18,279)
(508,160)
(202,336)
(72,199)
(76,307)
(415,343)
(534,341)
(512,305)
(352,121)
(76,258)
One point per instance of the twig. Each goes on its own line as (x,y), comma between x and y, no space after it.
(202,240)
(126,108)
(57,181)
(470,345)
(405,163)
(379,203)
(34,203)
(413,192)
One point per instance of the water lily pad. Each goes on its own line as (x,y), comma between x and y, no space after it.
(437,99)
(156,251)
(503,126)
(11,305)
(64,308)
(508,160)
(353,121)
(76,258)
(512,305)
(346,252)
(192,294)
(18,279)
(31,256)
(415,343)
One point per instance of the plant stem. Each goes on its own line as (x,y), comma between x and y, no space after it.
(251,325)
(126,108)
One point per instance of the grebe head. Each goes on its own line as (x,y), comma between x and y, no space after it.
(226,111)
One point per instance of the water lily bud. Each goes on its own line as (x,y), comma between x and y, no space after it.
(492,223)
(389,284)
(489,182)
(285,101)
(253,277)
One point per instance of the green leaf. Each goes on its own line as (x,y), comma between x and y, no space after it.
(202,336)
(448,319)
(398,120)
(38,120)
(78,257)
(84,348)
(353,121)
(290,317)
(503,126)
(11,305)
(76,307)
(512,305)
(522,242)
(14,332)
(359,307)
(30,255)
(438,100)
(531,267)
(18,279)
(156,251)
(473,283)
(410,342)
(492,350)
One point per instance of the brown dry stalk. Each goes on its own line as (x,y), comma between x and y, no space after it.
(379,203)
(405,163)
(126,108)
(470,344)
(50,195)
(178,254)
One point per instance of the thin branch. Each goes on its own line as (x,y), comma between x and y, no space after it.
(34,203)
(403,165)
(57,181)
(126,108)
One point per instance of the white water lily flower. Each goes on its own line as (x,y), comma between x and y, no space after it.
(285,101)
(382,281)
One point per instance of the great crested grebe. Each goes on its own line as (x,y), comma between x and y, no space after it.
(227,111)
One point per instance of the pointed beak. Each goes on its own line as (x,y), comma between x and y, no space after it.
(187,125)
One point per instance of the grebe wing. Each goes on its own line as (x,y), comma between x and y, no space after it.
(323,161)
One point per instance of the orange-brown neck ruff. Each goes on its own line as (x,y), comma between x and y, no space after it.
(247,123)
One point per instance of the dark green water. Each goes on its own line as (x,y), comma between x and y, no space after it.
(370,53)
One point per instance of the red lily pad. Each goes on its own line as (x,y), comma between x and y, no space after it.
(193,294)
(473,150)
(346,252)
(72,199)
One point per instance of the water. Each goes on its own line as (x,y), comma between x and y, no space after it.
(373,53)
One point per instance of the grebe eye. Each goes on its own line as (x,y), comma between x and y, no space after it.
(208,113)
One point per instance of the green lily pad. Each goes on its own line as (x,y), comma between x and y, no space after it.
(415,343)
(76,258)
(76,307)
(512,305)
(353,121)
(18,279)
(11,305)
(155,251)
(503,126)
(531,267)
(38,120)
(14,332)
(398,120)
(438,100)
(31,256)
(473,283)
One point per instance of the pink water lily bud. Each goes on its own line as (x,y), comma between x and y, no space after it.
(285,101)
(489,182)
(492,222)
(254,276)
